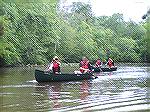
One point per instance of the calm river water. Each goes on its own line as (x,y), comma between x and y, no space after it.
(127,89)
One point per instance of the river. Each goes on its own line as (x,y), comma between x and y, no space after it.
(127,89)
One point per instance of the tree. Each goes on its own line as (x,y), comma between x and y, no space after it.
(34,32)
(146,40)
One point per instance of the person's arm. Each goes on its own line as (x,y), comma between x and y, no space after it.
(101,63)
(58,62)
(107,62)
(96,63)
(113,63)
(90,66)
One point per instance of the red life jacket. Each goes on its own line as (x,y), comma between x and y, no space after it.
(84,65)
(110,63)
(98,62)
(55,66)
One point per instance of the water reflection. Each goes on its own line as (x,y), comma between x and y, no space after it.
(54,94)
(127,89)
(48,95)
(84,89)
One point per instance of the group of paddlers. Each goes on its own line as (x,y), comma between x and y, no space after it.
(85,65)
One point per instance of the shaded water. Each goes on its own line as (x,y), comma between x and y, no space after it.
(127,89)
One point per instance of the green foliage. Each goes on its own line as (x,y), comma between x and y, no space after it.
(8,52)
(33,32)
(147,39)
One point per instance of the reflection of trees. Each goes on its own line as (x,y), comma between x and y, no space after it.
(84,89)
(110,74)
(54,94)
(147,85)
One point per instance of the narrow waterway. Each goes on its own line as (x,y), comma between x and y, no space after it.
(127,89)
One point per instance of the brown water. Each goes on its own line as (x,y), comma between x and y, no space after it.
(127,89)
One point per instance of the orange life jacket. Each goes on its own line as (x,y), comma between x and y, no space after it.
(84,65)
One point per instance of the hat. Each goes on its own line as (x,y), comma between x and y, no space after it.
(84,58)
(55,57)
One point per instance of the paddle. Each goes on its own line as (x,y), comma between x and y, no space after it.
(92,71)
(94,76)
(100,69)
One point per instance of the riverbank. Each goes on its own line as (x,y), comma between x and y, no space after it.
(70,64)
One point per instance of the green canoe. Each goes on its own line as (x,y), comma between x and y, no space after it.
(42,76)
(106,69)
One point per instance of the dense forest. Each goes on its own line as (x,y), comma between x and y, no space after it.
(34,31)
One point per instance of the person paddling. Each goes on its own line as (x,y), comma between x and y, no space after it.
(85,65)
(54,66)
(98,63)
(110,63)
